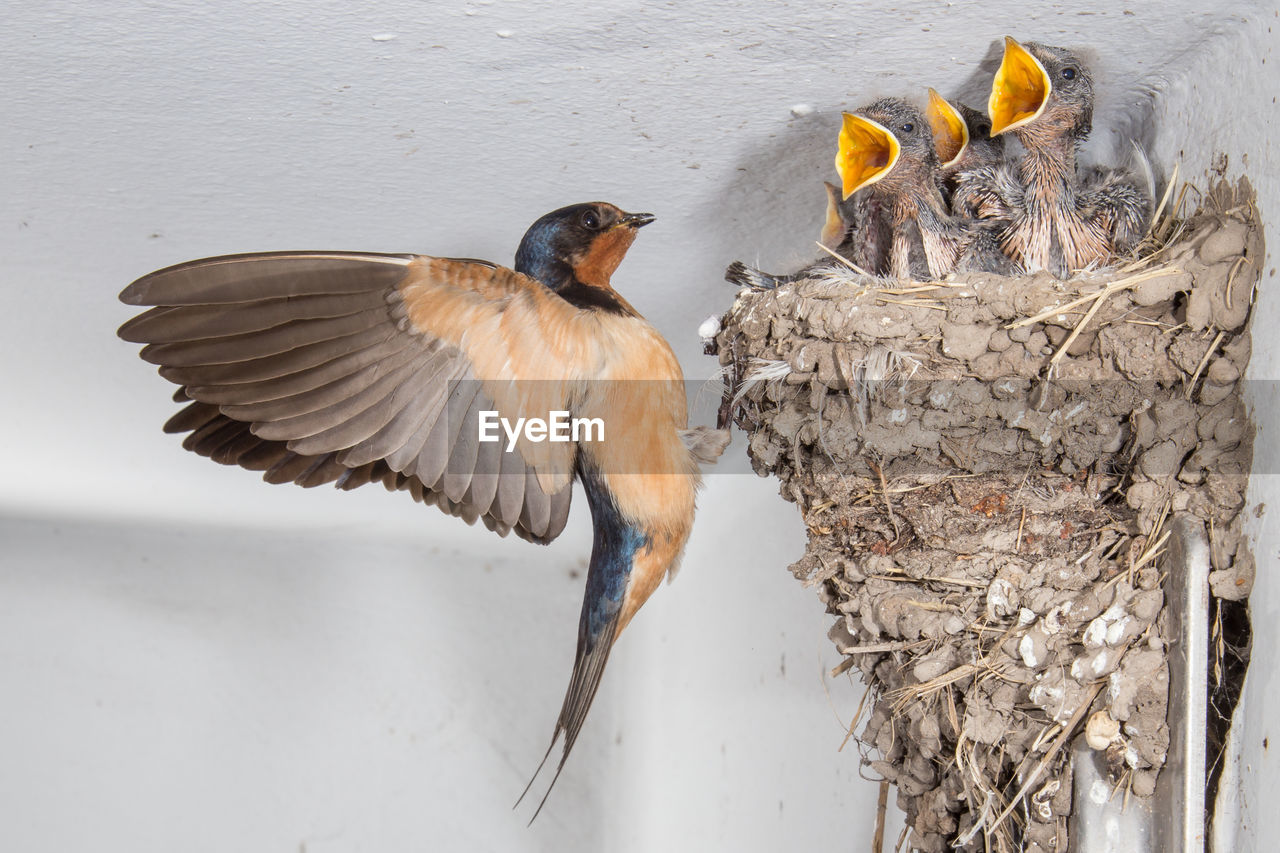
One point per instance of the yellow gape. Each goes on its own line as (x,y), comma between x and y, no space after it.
(867,152)
(950,130)
(1020,91)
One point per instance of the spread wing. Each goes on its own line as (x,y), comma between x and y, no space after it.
(351,368)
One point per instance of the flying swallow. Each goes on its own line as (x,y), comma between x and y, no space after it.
(1044,96)
(887,150)
(355,367)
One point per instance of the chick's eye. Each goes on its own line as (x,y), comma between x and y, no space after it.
(590,220)
(1068,73)
(908,127)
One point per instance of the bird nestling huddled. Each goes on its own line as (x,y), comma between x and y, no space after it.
(925,195)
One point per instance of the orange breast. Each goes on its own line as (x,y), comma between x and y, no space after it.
(606,252)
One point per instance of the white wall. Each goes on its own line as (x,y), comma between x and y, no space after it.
(194,659)
(200,686)
(1221,99)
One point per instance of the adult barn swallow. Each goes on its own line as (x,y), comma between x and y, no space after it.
(1044,96)
(354,367)
(887,150)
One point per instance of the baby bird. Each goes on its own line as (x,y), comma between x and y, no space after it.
(854,230)
(887,151)
(863,227)
(962,138)
(1054,221)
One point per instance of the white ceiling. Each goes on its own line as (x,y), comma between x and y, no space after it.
(140,133)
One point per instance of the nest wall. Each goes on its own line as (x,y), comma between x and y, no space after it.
(986,467)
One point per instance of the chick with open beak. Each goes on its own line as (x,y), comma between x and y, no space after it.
(1055,221)
(887,150)
(962,139)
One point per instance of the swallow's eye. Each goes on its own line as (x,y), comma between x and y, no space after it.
(908,127)
(1068,73)
(590,220)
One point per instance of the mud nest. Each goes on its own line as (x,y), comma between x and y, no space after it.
(985,467)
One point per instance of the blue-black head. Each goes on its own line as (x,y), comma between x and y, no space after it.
(581,243)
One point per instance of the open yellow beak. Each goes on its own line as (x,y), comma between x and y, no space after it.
(950,130)
(867,152)
(1020,91)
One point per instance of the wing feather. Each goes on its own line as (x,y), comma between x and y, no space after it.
(196,322)
(261,344)
(293,384)
(286,403)
(303,358)
(339,410)
(353,368)
(509,500)
(191,418)
(354,429)
(425,386)
(251,277)
(536,515)
(464,450)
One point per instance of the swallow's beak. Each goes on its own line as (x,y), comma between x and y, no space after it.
(950,131)
(867,152)
(636,220)
(1020,91)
